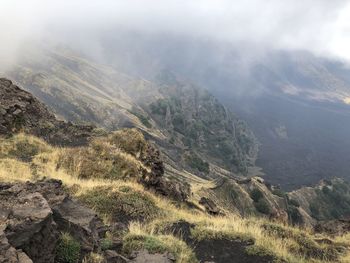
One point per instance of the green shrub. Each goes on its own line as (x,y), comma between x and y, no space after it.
(256,194)
(106,244)
(143,119)
(194,161)
(137,242)
(293,202)
(68,249)
(279,192)
(262,206)
(295,215)
(314,209)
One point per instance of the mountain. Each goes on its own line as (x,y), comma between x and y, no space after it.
(296,103)
(191,127)
(106,199)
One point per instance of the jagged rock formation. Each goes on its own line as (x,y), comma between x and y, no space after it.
(34,214)
(20,111)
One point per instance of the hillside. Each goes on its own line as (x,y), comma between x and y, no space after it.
(52,193)
(174,114)
(295,102)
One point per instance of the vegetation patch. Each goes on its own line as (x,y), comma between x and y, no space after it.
(137,239)
(130,141)
(203,232)
(259,251)
(145,120)
(99,160)
(68,249)
(120,205)
(195,162)
(22,147)
(304,244)
(332,201)
(256,194)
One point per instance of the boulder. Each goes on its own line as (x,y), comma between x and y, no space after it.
(113,257)
(209,206)
(28,224)
(21,111)
(32,216)
(81,222)
(143,256)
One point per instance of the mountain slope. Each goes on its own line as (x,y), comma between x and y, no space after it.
(294,101)
(61,194)
(81,91)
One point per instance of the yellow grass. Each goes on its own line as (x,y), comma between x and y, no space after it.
(45,164)
(12,170)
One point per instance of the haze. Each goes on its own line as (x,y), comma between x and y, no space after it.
(320,26)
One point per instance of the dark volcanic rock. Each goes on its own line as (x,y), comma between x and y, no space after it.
(29,224)
(144,256)
(113,257)
(210,206)
(34,214)
(154,179)
(81,222)
(20,111)
(8,254)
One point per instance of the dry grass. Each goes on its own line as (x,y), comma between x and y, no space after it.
(138,238)
(47,161)
(12,170)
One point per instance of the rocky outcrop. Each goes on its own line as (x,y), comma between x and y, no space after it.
(333,227)
(34,214)
(28,224)
(21,111)
(143,256)
(209,206)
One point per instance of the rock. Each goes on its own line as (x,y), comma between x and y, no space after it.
(175,190)
(210,206)
(81,222)
(143,256)
(21,111)
(22,257)
(8,254)
(113,257)
(32,217)
(29,225)
(182,230)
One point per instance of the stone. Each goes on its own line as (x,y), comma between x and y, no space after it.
(209,206)
(34,214)
(113,257)
(143,256)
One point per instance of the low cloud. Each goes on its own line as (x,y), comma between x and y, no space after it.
(319,26)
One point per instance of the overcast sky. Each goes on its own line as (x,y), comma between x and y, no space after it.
(321,26)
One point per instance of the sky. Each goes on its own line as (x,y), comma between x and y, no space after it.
(319,26)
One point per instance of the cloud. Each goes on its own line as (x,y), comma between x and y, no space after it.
(320,26)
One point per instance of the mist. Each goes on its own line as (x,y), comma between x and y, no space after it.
(320,27)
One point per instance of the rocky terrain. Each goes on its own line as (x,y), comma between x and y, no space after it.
(107,199)
(20,111)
